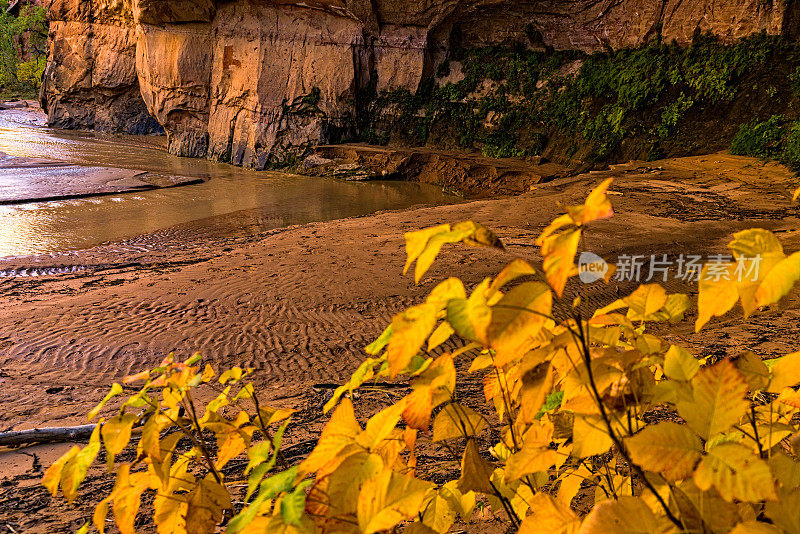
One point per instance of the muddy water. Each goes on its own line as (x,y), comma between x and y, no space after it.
(230,196)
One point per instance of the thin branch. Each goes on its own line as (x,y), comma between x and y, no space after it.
(613,435)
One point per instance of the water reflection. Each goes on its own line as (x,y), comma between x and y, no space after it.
(269,200)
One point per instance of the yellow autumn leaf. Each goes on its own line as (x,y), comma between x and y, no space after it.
(718,400)
(438,514)
(416,241)
(419,528)
(476,473)
(517,319)
(418,407)
(753,370)
(374,348)
(778,281)
(116,389)
(462,503)
(269,415)
(205,506)
(796,194)
(755,527)
(571,483)
(596,206)
(345,482)
(626,515)
(679,364)
(440,376)
(410,329)
(161,461)
(557,224)
(52,477)
(231,443)
(514,270)
(590,436)
(549,517)
(667,448)
(101,514)
(717,292)
(388,499)
(757,252)
(380,426)
(151,435)
(697,507)
(607,486)
(452,288)
(457,421)
(75,468)
(440,335)
(605,310)
(170,503)
(479,235)
(364,372)
(535,454)
(116,434)
(784,512)
(755,242)
(340,432)
(558,251)
(169,513)
(470,317)
(736,472)
(144,375)
(645,301)
(127,497)
(231,375)
(537,383)
(469,232)
(785,372)
(673,310)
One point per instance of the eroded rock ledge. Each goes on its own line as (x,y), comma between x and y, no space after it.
(257,82)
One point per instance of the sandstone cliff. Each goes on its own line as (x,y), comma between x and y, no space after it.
(256,82)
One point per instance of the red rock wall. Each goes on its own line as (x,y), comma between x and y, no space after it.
(228,79)
(90,81)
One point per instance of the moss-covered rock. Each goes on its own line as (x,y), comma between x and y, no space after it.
(655,101)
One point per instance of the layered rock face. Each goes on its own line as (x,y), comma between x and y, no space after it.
(256,82)
(90,81)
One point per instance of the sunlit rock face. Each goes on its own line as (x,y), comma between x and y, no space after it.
(255,82)
(90,81)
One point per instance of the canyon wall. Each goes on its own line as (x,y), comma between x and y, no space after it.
(90,81)
(258,82)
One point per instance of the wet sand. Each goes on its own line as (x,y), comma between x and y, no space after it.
(299,304)
(36,180)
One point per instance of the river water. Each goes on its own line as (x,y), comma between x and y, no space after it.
(229,196)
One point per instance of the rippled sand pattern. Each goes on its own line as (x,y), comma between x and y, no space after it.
(299,304)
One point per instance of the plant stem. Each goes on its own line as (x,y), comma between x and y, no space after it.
(587,356)
(267,434)
(200,442)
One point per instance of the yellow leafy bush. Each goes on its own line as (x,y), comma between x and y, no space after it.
(586,400)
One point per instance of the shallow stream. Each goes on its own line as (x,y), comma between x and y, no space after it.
(258,200)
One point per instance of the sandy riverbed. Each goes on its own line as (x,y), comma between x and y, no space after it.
(298,304)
